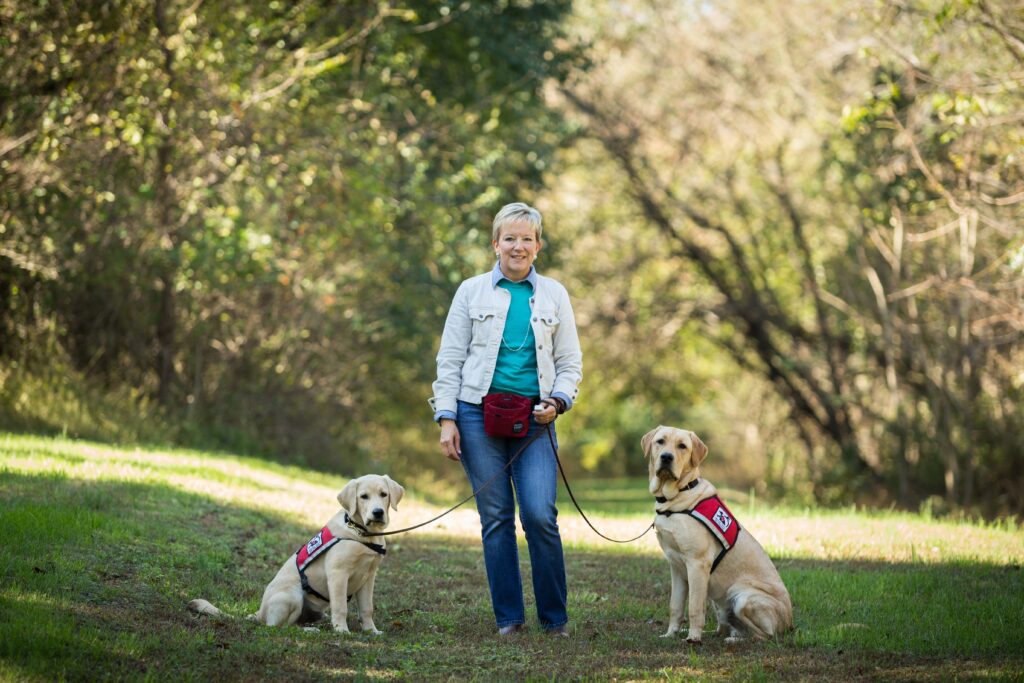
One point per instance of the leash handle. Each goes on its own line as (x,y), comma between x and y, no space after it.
(474,494)
(558,460)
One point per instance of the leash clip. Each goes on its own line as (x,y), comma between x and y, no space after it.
(355,526)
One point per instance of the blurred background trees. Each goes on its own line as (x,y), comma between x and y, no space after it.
(254,214)
(793,227)
(829,197)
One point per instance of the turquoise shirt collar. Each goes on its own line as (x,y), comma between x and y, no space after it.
(497,276)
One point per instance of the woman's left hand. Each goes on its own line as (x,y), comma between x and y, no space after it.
(546,414)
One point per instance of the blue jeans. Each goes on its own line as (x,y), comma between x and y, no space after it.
(534,475)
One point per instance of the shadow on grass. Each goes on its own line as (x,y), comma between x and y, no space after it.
(97,575)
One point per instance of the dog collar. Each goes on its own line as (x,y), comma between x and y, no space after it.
(662,499)
(375,547)
(359,528)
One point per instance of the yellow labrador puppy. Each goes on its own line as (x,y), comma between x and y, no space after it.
(709,553)
(339,562)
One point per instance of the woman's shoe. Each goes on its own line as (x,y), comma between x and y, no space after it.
(561,631)
(510,629)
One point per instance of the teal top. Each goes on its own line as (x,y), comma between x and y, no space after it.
(516,368)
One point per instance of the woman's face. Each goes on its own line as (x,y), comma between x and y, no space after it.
(516,247)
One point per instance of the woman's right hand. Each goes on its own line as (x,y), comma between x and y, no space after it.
(451,443)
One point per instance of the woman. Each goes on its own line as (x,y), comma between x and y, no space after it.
(511,331)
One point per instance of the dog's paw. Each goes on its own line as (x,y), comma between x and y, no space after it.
(310,629)
(734,640)
(694,637)
(373,632)
(341,628)
(668,634)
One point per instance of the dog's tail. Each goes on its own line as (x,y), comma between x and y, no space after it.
(200,606)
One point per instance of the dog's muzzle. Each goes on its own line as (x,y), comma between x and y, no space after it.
(377,514)
(664,470)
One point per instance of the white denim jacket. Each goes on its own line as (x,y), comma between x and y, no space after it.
(472,336)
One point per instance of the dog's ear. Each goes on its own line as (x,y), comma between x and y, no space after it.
(646,439)
(347,496)
(395,491)
(645,443)
(700,451)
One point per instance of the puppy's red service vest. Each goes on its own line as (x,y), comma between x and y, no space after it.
(323,541)
(314,548)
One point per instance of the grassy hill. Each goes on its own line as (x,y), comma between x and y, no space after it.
(102,547)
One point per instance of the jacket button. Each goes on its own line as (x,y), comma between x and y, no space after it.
(540,347)
(534,320)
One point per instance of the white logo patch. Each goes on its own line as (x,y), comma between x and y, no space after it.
(722,519)
(315,543)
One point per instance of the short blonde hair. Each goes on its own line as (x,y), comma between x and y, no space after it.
(513,213)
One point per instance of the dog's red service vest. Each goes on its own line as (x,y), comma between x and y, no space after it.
(718,520)
(712,513)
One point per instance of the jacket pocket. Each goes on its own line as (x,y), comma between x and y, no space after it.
(547,323)
(482,319)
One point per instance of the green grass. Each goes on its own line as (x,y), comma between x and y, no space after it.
(101,548)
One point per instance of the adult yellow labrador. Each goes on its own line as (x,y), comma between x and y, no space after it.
(339,562)
(709,553)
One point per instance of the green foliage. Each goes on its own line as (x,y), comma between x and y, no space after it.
(58,400)
(802,243)
(256,215)
(935,250)
(795,231)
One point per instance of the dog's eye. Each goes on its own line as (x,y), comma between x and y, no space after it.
(683,446)
(365,496)
(660,441)
(384,494)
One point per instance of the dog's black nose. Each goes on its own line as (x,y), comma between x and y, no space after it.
(378,513)
(666,457)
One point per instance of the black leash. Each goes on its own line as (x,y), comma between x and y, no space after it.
(582,514)
(554,449)
(472,495)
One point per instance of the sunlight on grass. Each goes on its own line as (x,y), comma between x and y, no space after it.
(139,533)
(310,498)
